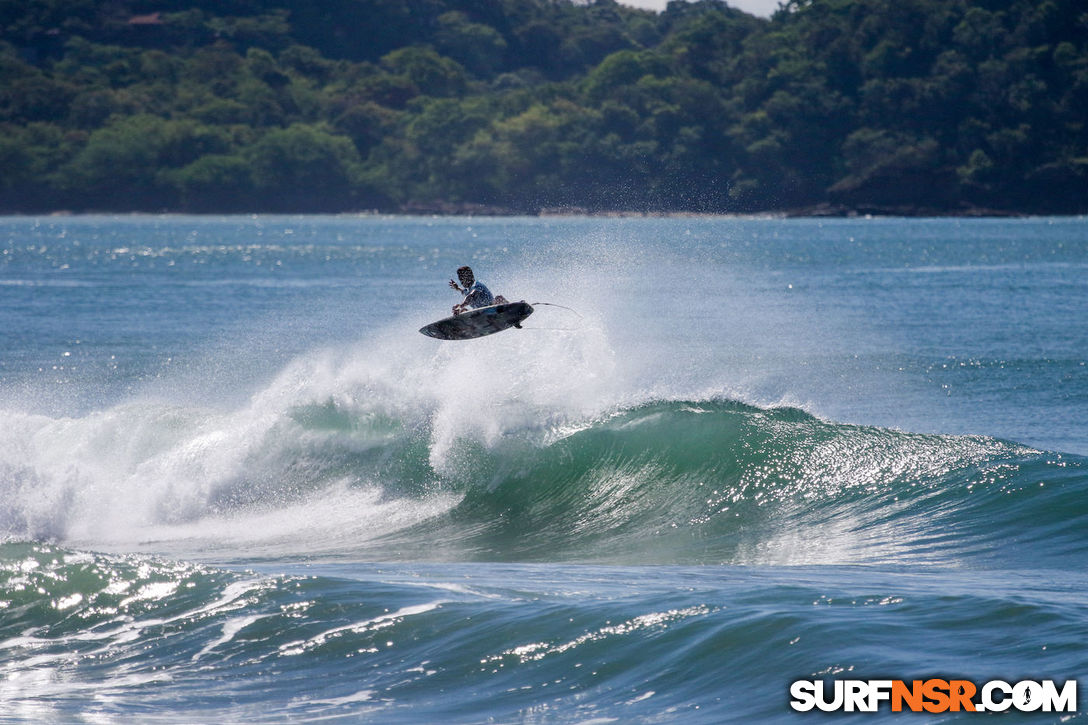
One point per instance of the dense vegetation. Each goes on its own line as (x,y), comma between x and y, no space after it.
(324,105)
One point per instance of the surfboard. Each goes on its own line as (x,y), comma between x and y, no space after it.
(479,322)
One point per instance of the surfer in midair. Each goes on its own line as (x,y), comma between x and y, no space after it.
(476,293)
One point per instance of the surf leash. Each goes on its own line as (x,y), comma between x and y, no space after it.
(555,329)
(552,304)
(562,307)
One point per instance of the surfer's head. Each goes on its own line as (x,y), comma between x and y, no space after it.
(465,275)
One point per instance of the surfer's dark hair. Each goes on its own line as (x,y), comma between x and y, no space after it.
(464,270)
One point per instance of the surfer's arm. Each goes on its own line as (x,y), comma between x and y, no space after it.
(456,287)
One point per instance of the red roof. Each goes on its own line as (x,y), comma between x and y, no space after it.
(151,19)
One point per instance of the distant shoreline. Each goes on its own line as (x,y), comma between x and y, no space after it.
(824,211)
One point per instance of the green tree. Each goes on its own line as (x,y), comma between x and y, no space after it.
(132,157)
(623,68)
(304,167)
(432,73)
(479,48)
(215,182)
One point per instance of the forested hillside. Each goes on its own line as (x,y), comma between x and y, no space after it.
(327,105)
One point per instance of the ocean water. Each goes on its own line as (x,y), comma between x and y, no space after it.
(236,484)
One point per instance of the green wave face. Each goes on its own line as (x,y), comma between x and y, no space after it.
(710,482)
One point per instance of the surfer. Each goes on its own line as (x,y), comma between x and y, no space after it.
(476,293)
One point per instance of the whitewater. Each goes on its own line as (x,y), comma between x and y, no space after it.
(237,484)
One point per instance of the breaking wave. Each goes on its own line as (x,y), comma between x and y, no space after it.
(330,464)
